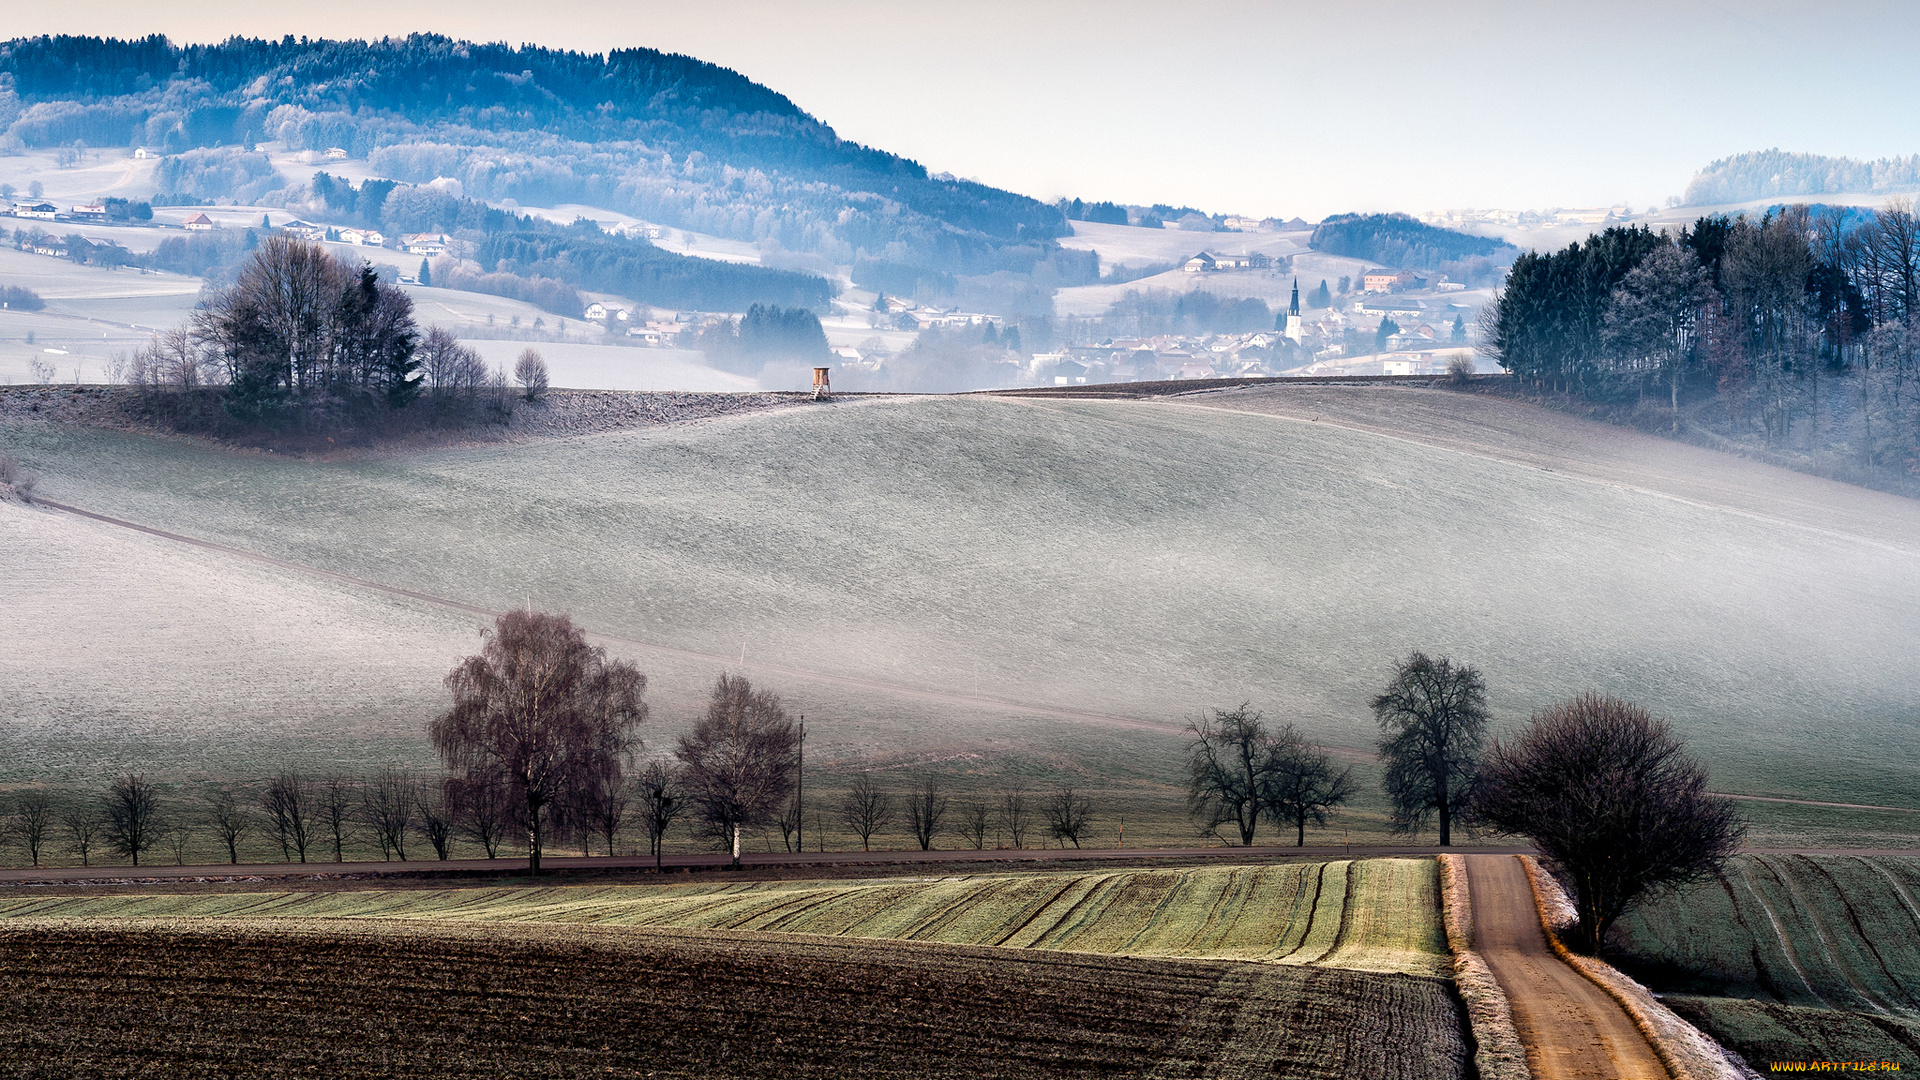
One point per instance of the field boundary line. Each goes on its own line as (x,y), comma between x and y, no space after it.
(1811,916)
(1686,1051)
(978,701)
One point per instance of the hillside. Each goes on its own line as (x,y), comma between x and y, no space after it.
(1032,588)
(667,137)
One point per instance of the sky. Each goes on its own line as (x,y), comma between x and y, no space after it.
(1228,106)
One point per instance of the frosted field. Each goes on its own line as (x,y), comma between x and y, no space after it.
(1140,561)
(1377,915)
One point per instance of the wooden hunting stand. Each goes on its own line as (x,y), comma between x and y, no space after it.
(821,390)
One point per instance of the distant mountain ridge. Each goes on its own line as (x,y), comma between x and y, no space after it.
(664,137)
(1776,173)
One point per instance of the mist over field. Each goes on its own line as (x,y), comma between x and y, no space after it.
(1134,560)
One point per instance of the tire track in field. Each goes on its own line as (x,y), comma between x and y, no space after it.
(1780,935)
(1313,910)
(1346,918)
(917,693)
(1811,915)
(1035,913)
(1860,933)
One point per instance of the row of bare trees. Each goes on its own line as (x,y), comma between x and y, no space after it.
(1009,819)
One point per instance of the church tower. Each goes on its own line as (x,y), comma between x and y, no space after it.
(1293,314)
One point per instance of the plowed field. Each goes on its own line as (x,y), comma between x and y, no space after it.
(230,998)
(1792,957)
(1371,915)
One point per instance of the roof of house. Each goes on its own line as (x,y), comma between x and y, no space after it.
(199,219)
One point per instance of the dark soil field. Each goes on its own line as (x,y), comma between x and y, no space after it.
(212,999)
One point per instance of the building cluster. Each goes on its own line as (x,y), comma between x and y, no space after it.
(1530,219)
(667,331)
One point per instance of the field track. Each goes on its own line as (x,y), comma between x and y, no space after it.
(1572,1029)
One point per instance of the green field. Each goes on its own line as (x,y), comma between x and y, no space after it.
(1379,915)
(1822,952)
(978,567)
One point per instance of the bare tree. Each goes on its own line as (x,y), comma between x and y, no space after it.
(1613,802)
(82,822)
(1227,761)
(130,817)
(599,805)
(336,812)
(482,811)
(530,371)
(660,804)
(739,760)
(976,820)
(451,369)
(866,810)
(1300,785)
(288,801)
(33,814)
(926,805)
(790,835)
(436,820)
(1433,721)
(1016,816)
(230,820)
(536,710)
(1069,816)
(178,836)
(387,806)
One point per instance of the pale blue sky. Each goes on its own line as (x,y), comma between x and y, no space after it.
(1267,108)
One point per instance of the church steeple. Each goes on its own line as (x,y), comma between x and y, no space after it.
(1295,329)
(1294,308)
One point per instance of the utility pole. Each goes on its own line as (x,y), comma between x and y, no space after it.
(800,791)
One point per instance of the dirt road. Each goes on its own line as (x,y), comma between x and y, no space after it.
(1572,1029)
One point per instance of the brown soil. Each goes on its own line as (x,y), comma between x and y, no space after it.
(1573,1030)
(330,999)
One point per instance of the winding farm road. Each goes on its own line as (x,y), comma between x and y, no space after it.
(1573,1030)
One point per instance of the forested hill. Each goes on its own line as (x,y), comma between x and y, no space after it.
(661,136)
(1777,174)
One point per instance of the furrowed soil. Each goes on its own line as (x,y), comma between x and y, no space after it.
(1791,957)
(362,1000)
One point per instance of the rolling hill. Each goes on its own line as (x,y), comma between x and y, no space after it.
(1000,587)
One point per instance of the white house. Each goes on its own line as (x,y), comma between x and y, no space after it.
(91,212)
(141,154)
(335,153)
(44,211)
(595,312)
(305,230)
(198,223)
(351,236)
(426,243)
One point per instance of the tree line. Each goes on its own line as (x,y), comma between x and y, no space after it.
(1605,792)
(1794,329)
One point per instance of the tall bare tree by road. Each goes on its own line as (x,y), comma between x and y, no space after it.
(739,759)
(1613,802)
(660,804)
(866,810)
(537,709)
(230,820)
(33,815)
(1301,785)
(131,817)
(288,801)
(335,812)
(387,806)
(1433,722)
(1015,815)
(926,806)
(1228,757)
(1069,816)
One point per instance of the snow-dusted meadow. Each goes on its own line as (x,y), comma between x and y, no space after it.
(1142,560)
